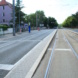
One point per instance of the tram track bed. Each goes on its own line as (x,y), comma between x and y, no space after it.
(64,62)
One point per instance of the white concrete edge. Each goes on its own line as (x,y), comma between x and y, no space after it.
(6,67)
(36,64)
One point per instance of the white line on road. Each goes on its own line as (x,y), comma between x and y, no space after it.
(63,49)
(6,67)
(50,49)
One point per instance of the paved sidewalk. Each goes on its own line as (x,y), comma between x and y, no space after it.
(7,36)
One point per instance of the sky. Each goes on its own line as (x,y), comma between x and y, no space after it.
(59,9)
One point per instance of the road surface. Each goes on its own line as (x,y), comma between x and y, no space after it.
(13,49)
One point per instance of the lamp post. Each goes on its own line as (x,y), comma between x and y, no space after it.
(13,17)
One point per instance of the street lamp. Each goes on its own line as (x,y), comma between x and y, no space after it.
(13,17)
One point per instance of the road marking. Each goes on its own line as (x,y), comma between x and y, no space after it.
(6,67)
(50,49)
(63,49)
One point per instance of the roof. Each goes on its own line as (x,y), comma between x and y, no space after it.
(3,2)
(9,4)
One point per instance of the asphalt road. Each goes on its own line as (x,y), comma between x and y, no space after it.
(13,49)
(64,60)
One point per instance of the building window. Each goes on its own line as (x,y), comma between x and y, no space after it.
(3,14)
(3,7)
(3,20)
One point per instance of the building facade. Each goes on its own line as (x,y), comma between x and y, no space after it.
(5,12)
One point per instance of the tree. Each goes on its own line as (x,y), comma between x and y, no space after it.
(39,18)
(52,22)
(31,18)
(18,13)
(46,22)
(71,21)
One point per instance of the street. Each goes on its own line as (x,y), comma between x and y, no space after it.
(38,39)
(13,49)
(60,59)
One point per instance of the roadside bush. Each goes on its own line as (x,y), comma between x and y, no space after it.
(4,27)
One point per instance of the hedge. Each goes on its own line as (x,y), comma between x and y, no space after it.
(4,27)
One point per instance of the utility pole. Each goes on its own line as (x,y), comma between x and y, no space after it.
(19,20)
(13,17)
(19,16)
(36,21)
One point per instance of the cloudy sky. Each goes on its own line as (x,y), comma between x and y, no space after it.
(59,9)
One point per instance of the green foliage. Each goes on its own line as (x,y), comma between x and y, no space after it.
(18,11)
(31,18)
(46,22)
(40,18)
(52,22)
(4,27)
(37,16)
(71,21)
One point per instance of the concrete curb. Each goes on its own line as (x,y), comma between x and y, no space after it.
(36,64)
(28,64)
